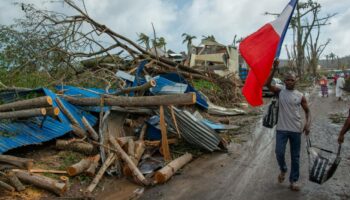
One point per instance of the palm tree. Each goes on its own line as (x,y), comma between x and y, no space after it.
(144,39)
(161,43)
(188,38)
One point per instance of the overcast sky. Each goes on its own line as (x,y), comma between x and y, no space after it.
(171,18)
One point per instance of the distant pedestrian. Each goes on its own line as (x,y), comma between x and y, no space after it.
(344,129)
(289,125)
(324,86)
(339,87)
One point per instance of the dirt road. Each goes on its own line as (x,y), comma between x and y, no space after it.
(250,171)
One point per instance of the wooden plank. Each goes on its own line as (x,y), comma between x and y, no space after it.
(165,145)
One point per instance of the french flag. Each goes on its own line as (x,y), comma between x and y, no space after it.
(259,51)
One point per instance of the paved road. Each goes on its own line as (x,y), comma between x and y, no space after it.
(250,171)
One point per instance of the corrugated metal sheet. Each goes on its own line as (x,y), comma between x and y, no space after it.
(36,130)
(193,131)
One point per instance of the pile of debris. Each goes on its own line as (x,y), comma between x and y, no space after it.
(156,110)
(127,131)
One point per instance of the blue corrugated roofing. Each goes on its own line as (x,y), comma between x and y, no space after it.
(36,130)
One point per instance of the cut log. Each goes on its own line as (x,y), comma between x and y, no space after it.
(165,144)
(22,163)
(23,113)
(14,181)
(81,147)
(39,102)
(92,133)
(135,171)
(146,86)
(52,111)
(7,186)
(110,159)
(179,99)
(94,164)
(42,182)
(79,167)
(163,175)
(66,112)
(139,150)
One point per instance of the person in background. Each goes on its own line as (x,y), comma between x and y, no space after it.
(324,86)
(344,129)
(339,87)
(289,125)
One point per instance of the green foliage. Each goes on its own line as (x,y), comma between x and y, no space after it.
(25,79)
(69,158)
(206,85)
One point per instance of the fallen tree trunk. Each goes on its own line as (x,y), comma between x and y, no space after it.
(13,179)
(42,182)
(79,167)
(81,147)
(179,99)
(135,171)
(92,133)
(7,186)
(38,102)
(163,175)
(78,131)
(23,113)
(110,159)
(22,163)
(146,86)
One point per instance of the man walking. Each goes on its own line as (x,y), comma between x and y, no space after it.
(289,125)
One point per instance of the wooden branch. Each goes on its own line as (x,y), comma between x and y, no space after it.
(135,171)
(81,147)
(23,113)
(22,163)
(179,99)
(174,121)
(165,145)
(139,150)
(42,182)
(66,112)
(92,133)
(7,186)
(163,175)
(14,181)
(131,149)
(78,131)
(145,86)
(39,102)
(143,132)
(110,159)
